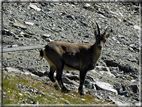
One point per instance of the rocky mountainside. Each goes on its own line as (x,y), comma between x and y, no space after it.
(115,79)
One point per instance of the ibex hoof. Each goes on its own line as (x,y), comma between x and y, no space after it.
(81,92)
(65,90)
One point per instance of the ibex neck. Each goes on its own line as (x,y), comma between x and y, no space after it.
(96,51)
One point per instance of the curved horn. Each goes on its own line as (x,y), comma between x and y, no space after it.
(98,29)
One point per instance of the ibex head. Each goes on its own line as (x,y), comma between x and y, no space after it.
(100,38)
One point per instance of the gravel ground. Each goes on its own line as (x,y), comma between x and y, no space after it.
(72,22)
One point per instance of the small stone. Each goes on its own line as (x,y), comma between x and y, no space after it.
(31,102)
(68,81)
(73,95)
(138,104)
(86,5)
(51,4)
(115,100)
(134,88)
(4,93)
(67,102)
(46,35)
(83,99)
(133,81)
(16,36)
(72,77)
(131,49)
(41,73)
(14,46)
(42,93)
(7,32)
(35,102)
(6,10)
(17,24)
(79,34)
(71,17)
(114,38)
(21,34)
(34,7)
(10,69)
(35,90)
(85,41)
(88,84)
(132,45)
(48,40)
(29,23)
(20,94)
(137,27)
(27,35)
(105,86)
(87,36)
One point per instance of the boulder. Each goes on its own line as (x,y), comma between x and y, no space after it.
(105,86)
(11,69)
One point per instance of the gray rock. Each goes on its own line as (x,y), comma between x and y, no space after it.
(116,101)
(72,77)
(20,94)
(46,35)
(105,86)
(85,41)
(68,81)
(83,99)
(14,46)
(133,89)
(71,17)
(17,24)
(48,40)
(35,102)
(137,27)
(11,69)
(88,84)
(29,23)
(86,5)
(51,4)
(7,32)
(34,7)
(41,73)
(67,102)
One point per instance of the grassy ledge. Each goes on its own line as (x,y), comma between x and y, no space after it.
(15,92)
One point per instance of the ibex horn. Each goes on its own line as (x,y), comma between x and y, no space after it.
(98,29)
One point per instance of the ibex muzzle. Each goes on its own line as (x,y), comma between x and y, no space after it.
(67,56)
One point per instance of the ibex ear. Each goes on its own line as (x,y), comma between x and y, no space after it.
(107,35)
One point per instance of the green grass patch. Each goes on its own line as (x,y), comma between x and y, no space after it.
(15,95)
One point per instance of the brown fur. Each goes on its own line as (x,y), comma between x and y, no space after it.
(67,56)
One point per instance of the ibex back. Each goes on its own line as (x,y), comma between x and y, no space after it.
(67,56)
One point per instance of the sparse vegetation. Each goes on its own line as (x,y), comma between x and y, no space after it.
(13,93)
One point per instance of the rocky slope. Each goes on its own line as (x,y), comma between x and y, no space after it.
(38,23)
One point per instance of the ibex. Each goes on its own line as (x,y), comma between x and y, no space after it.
(68,56)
